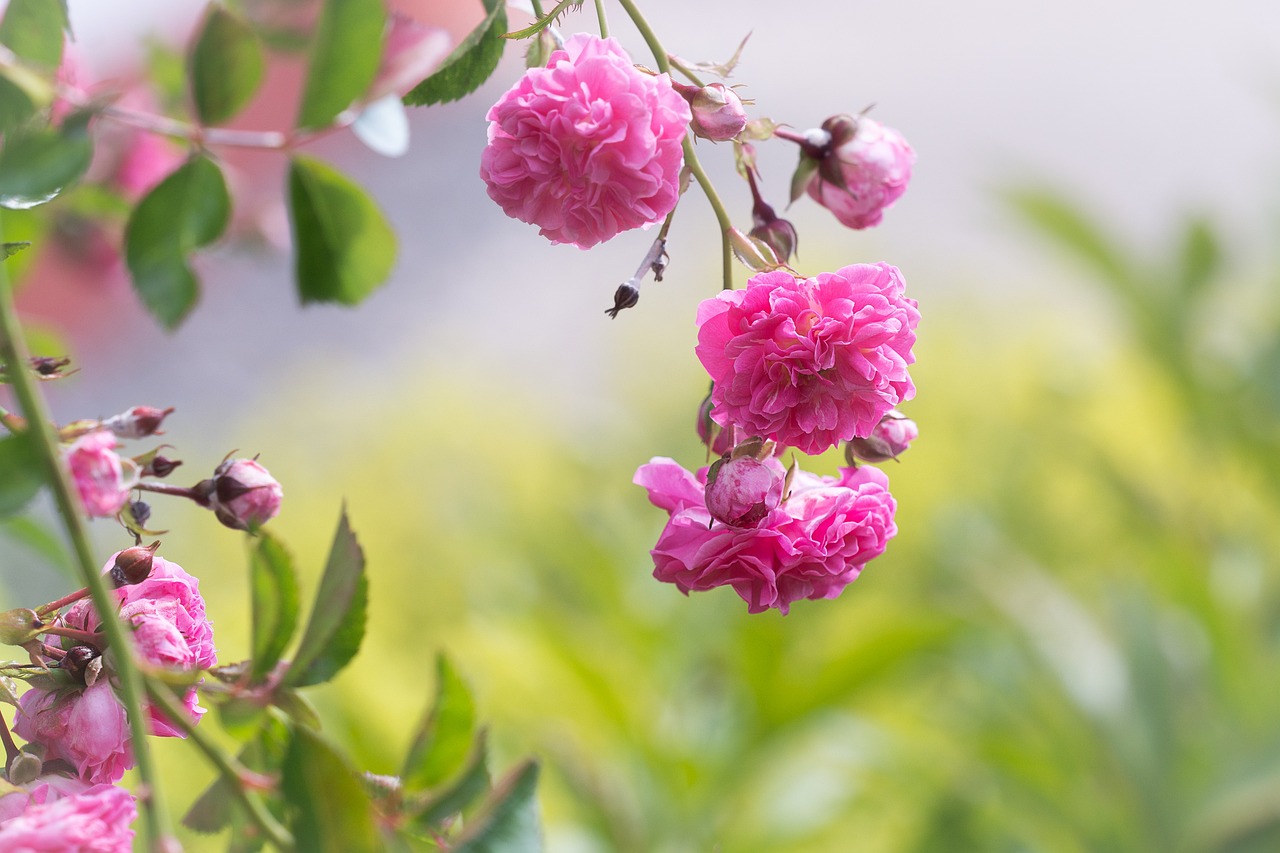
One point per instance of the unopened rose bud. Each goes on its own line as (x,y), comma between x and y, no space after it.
(77,663)
(755,254)
(626,296)
(245,495)
(19,626)
(138,422)
(719,439)
(25,767)
(745,486)
(160,466)
(133,565)
(864,169)
(890,439)
(779,235)
(718,114)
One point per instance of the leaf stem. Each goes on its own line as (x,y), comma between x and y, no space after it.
(231,770)
(603,19)
(13,349)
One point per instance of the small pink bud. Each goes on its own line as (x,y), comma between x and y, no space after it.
(138,422)
(745,486)
(245,495)
(862,170)
(98,474)
(717,112)
(890,438)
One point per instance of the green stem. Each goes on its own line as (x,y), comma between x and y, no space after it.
(231,770)
(537,9)
(13,348)
(690,156)
(604,21)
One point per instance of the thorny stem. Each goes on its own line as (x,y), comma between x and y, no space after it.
(231,769)
(661,56)
(13,349)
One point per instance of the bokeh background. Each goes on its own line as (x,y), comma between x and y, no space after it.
(1074,642)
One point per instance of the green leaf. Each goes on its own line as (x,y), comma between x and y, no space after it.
(806,171)
(331,812)
(22,92)
(344,59)
(188,210)
(470,63)
(39,539)
(443,740)
(8,250)
(344,246)
(226,66)
(297,706)
(1201,257)
(462,792)
(508,822)
(33,30)
(1069,226)
(274,590)
(22,472)
(36,166)
(337,622)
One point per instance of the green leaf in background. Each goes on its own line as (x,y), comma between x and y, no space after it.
(39,539)
(471,783)
(36,166)
(8,250)
(21,472)
(22,92)
(441,745)
(344,59)
(1071,229)
(225,66)
(470,63)
(331,810)
(1201,257)
(33,30)
(187,210)
(344,246)
(274,589)
(337,622)
(508,821)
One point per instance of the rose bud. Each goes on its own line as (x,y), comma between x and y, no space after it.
(138,422)
(745,486)
(98,473)
(717,438)
(864,169)
(25,767)
(160,466)
(717,111)
(19,626)
(78,663)
(890,438)
(133,565)
(245,495)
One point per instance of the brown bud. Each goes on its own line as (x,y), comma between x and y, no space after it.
(133,565)
(78,663)
(160,466)
(626,296)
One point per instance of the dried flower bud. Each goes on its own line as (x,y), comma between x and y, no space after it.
(141,512)
(244,495)
(743,487)
(718,114)
(890,438)
(19,626)
(78,663)
(133,565)
(138,422)
(626,296)
(160,466)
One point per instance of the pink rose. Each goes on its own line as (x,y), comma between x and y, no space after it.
(742,489)
(47,788)
(587,147)
(717,110)
(93,820)
(811,546)
(98,473)
(245,495)
(863,173)
(890,439)
(86,728)
(809,362)
(147,160)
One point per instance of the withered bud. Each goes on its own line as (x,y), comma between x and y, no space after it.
(160,466)
(141,512)
(78,661)
(626,296)
(25,767)
(19,626)
(48,367)
(133,565)
(842,128)
(138,422)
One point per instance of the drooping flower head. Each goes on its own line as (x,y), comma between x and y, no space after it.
(865,171)
(66,816)
(809,362)
(810,546)
(587,147)
(98,473)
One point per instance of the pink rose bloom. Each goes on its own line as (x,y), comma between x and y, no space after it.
(245,495)
(718,113)
(587,147)
(48,788)
(811,546)
(86,728)
(873,165)
(98,473)
(93,820)
(809,362)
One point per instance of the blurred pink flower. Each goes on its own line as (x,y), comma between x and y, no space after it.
(86,728)
(147,159)
(245,495)
(411,51)
(809,362)
(890,439)
(65,820)
(98,473)
(867,173)
(811,546)
(587,147)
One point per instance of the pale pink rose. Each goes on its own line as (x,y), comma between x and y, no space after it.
(47,788)
(890,439)
(587,147)
(864,174)
(245,495)
(86,728)
(411,52)
(95,820)
(717,110)
(811,546)
(741,492)
(98,473)
(809,362)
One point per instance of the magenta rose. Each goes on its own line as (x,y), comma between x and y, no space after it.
(65,820)
(587,147)
(864,173)
(809,362)
(98,473)
(811,546)
(245,495)
(86,728)
(890,439)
